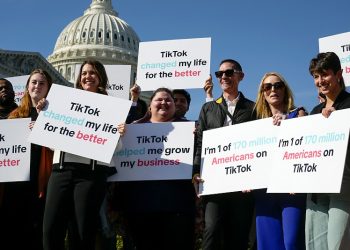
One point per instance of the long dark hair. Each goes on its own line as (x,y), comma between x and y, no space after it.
(101,73)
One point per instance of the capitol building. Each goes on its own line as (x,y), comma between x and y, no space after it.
(98,34)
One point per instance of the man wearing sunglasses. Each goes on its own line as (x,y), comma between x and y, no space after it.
(228,216)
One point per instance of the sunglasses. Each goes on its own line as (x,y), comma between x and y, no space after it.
(276,86)
(228,73)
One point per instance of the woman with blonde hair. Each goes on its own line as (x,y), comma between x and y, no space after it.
(279,217)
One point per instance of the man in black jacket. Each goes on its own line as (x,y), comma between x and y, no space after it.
(228,216)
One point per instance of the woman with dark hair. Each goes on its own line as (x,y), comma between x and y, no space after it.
(327,215)
(77,185)
(160,213)
(92,77)
(279,217)
(23,202)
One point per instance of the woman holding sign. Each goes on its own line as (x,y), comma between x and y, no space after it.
(279,217)
(77,185)
(160,213)
(327,215)
(23,204)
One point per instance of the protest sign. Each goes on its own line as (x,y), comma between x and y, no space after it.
(19,86)
(175,64)
(155,151)
(310,155)
(237,157)
(339,44)
(118,80)
(80,122)
(14,150)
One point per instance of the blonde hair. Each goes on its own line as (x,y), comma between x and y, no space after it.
(262,107)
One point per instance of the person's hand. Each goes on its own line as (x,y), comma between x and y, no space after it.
(135,92)
(40,105)
(121,129)
(196,180)
(277,118)
(326,112)
(31,125)
(208,87)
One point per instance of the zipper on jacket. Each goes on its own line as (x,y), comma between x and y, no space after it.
(61,159)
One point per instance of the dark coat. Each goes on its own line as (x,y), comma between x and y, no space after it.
(341,102)
(213,116)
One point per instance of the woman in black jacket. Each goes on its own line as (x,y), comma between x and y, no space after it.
(160,214)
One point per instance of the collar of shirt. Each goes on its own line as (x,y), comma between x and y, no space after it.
(231,105)
(233,102)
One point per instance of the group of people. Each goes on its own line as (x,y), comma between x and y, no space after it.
(282,221)
(63,198)
(61,204)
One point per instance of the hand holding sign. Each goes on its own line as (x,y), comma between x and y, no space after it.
(179,64)
(86,128)
(151,151)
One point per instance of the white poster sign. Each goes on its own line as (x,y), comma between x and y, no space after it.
(80,122)
(14,150)
(310,155)
(155,151)
(237,157)
(339,44)
(175,64)
(19,86)
(118,80)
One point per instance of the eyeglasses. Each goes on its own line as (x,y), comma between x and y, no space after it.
(228,73)
(276,86)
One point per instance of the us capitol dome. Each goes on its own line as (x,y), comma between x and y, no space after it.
(99,34)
